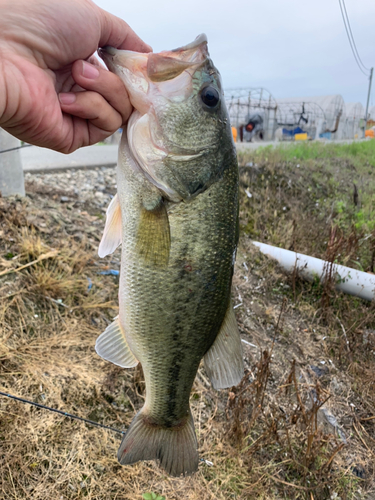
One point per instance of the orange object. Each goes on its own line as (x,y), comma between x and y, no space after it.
(234,133)
(370,133)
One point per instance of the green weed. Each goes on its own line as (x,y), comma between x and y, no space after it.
(152,496)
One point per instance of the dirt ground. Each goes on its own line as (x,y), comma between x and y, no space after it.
(300,425)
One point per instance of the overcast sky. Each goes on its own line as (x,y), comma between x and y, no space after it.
(291,48)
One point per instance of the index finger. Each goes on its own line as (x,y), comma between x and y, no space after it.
(117,33)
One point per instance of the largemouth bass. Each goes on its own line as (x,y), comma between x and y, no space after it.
(176,215)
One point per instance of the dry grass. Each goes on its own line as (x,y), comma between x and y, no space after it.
(272,437)
(54,306)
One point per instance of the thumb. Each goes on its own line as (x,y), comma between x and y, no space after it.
(117,33)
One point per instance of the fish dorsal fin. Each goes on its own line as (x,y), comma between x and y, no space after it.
(112,231)
(111,345)
(224,360)
(153,236)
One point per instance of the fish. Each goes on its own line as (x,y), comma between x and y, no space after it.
(176,216)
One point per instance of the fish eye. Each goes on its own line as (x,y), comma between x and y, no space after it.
(210,97)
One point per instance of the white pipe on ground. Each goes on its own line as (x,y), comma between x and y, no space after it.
(348,280)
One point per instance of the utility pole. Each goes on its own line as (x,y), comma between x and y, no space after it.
(11,171)
(368,100)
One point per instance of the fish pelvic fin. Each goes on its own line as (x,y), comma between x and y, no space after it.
(112,346)
(175,447)
(223,362)
(112,231)
(154,237)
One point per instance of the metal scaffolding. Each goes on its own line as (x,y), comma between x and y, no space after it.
(257,115)
(255,105)
(325,115)
(292,115)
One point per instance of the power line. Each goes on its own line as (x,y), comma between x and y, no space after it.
(351,38)
(15,149)
(351,33)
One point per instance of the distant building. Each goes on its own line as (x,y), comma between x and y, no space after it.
(258,116)
(354,121)
(253,113)
(371,117)
(318,116)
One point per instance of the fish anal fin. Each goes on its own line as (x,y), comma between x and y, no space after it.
(112,346)
(153,236)
(223,362)
(175,447)
(112,231)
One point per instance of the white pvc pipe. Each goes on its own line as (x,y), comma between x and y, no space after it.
(348,280)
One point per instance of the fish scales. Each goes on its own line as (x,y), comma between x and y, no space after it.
(182,306)
(176,215)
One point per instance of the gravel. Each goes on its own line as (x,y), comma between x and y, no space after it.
(96,186)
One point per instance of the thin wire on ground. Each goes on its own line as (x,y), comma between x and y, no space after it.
(64,413)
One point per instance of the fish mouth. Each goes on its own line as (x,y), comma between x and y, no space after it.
(140,71)
(116,59)
(201,39)
(160,67)
(107,50)
(107,53)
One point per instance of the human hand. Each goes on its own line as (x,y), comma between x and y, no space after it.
(50,95)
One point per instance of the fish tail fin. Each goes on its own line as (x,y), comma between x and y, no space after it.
(175,447)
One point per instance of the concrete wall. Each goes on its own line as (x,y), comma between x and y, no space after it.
(11,173)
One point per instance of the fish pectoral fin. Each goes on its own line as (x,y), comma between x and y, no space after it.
(112,346)
(112,231)
(153,236)
(224,360)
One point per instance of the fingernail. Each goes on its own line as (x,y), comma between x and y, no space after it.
(89,71)
(67,98)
